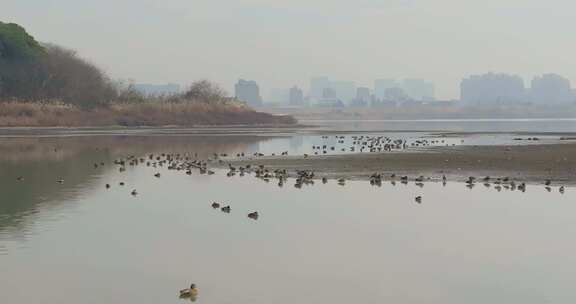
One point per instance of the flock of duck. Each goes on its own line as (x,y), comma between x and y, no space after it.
(361,143)
(190,163)
(377,143)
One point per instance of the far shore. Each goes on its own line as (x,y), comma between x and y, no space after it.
(232,129)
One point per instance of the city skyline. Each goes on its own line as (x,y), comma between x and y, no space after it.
(487,88)
(548,86)
(180,41)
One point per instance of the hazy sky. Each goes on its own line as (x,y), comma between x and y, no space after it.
(282,43)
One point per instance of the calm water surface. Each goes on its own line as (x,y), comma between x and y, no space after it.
(455,125)
(77,242)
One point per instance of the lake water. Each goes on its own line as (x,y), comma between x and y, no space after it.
(454,125)
(78,242)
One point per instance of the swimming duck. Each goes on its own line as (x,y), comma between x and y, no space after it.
(226,209)
(157,175)
(418,199)
(561,189)
(253,215)
(191,292)
(134,192)
(60,181)
(215,205)
(107,186)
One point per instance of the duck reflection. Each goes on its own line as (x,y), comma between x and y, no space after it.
(33,169)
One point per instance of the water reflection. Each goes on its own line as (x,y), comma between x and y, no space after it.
(454,125)
(45,173)
(318,243)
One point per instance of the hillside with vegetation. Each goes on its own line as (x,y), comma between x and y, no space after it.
(48,85)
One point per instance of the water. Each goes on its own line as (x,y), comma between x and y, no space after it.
(454,125)
(78,242)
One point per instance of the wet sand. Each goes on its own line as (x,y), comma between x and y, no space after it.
(532,163)
(528,163)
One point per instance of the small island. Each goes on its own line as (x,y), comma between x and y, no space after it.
(45,85)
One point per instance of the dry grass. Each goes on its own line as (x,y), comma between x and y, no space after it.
(51,114)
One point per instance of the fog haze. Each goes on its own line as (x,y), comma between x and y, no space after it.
(281,44)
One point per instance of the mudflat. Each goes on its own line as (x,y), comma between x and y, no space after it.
(528,163)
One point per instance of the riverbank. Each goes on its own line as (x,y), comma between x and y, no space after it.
(526,163)
(154,114)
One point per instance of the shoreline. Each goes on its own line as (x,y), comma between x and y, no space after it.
(533,164)
(234,129)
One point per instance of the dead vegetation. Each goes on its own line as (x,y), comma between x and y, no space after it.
(51,114)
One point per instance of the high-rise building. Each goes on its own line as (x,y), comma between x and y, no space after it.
(381,85)
(418,89)
(157,89)
(317,86)
(492,88)
(296,96)
(551,89)
(249,92)
(345,90)
(363,93)
(276,96)
(395,95)
(328,93)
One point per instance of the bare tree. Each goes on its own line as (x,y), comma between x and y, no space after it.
(205,91)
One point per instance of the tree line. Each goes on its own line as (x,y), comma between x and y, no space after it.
(31,71)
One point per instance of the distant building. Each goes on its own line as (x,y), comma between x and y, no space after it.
(381,85)
(296,96)
(329,93)
(363,97)
(492,88)
(551,89)
(418,89)
(395,95)
(249,92)
(317,86)
(157,89)
(330,103)
(277,96)
(345,90)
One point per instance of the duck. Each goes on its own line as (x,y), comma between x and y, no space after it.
(107,186)
(191,292)
(157,175)
(226,209)
(20,178)
(134,192)
(561,189)
(418,199)
(215,205)
(60,181)
(253,215)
